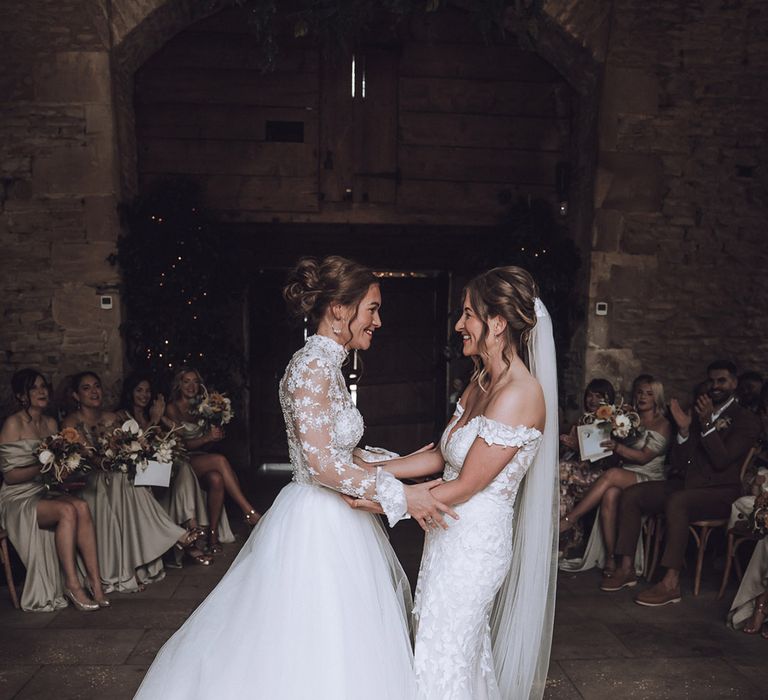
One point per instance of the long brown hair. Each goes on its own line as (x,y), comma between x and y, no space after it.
(510,293)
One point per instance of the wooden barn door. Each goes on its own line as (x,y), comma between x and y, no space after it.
(402,392)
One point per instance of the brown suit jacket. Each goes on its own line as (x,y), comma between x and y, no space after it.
(715,460)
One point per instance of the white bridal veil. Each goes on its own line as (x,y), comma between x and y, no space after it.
(523,614)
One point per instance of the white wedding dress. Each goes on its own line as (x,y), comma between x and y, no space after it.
(463,568)
(485,597)
(316,605)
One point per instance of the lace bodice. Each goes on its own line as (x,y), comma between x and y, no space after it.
(463,567)
(324,426)
(455,445)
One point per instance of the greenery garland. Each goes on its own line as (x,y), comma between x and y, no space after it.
(342,23)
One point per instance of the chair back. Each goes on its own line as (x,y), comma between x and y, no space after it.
(747,461)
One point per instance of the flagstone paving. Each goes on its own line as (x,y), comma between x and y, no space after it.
(604,646)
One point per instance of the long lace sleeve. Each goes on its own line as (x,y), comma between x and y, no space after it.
(324,428)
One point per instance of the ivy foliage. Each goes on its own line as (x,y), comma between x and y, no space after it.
(343,23)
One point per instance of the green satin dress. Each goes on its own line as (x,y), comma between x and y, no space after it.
(44,583)
(185,498)
(132,531)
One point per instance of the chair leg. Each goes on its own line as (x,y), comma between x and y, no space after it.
(700,559)
(9,573)
(649,528)
(728,561)
(736,563)
(656,549)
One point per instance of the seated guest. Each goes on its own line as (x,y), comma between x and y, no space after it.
(750,606)
(133,531)
(707,454)
(48,529)
(642,460)
(214,470)
(749,389)
(755,479)
(183,500)
(576,475)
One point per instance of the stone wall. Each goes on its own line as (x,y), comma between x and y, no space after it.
(58,200)
(679,196)
(679,247)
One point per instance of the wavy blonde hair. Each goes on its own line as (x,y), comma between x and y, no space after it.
(509,293)
(176,383)
(657,389)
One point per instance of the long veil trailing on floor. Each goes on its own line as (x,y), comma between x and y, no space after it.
(523,614)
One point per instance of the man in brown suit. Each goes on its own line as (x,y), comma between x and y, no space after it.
(711,445)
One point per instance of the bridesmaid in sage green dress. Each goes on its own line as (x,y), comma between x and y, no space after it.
(183,500)
(213,469)
(47,529)
(133,531)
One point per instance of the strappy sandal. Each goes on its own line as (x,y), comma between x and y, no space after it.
(252,517)
(214,546)
(198,555)
(760,609)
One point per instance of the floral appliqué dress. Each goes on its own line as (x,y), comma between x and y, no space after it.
(463,568)
(316,604)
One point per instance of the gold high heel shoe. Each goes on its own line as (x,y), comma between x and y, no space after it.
(82,607)
(252,517)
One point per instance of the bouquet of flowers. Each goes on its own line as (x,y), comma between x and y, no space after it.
(64,457)
(213,409)
(127,448)
(758,518)
(620,419)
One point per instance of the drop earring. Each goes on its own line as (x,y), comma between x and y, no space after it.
(336,330)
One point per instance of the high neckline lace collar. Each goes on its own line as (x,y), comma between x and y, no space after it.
(327,347)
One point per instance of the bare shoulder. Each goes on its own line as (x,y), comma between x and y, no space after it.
(520,402)
(173,412)
(51,424)
(11,430)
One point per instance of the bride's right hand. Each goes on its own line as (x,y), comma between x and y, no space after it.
(424,508)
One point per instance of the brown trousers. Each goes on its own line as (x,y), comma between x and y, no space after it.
(680,507)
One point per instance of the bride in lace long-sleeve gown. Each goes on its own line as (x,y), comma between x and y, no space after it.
(485,593)
(316,604)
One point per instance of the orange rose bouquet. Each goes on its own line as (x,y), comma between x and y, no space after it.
(64,458)
(620,419)
(213,409)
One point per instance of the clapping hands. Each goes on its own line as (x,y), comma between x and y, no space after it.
(682,418)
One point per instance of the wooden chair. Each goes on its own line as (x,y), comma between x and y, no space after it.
(702,529)
(735,540)
(6,561)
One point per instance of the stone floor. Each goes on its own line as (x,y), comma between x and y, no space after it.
(605,646)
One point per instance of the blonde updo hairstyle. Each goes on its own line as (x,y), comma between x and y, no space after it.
(509,293)
(313,286)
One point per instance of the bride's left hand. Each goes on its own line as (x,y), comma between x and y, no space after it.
(363,504)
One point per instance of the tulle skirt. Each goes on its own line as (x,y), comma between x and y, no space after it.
(315,606)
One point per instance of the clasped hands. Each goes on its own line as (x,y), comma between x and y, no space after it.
(421,505)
